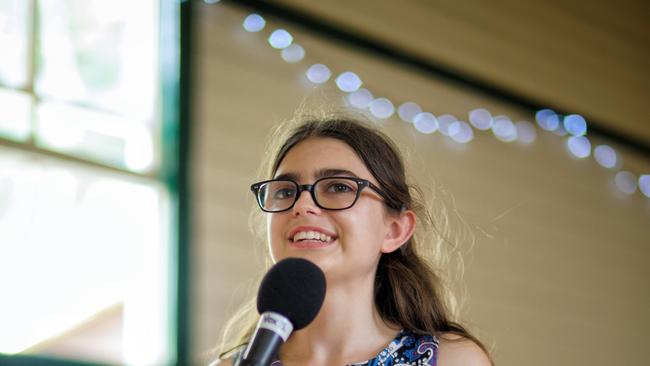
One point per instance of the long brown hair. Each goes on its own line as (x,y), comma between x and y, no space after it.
(408,292)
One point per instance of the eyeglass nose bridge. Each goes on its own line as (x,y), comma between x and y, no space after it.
(305,187)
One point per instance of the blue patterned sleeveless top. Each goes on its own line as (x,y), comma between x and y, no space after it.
(407,349)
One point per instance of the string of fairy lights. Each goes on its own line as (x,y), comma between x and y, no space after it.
(572,127)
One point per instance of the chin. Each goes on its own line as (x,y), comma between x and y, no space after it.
(322,260)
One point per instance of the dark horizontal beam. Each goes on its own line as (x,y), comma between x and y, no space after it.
(365,42)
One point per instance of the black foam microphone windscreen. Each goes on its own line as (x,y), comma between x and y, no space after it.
(295,288)
(289,298)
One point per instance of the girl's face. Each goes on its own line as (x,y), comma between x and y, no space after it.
(349,242)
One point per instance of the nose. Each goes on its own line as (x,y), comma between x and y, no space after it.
(305,204)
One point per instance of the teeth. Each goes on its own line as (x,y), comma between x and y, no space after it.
(311,235)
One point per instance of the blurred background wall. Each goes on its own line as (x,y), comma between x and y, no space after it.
(555,254)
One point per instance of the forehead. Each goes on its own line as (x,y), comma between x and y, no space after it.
(316,154)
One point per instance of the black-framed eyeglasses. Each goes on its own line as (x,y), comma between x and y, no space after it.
(330,193)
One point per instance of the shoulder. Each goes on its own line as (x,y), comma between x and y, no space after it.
(454,350)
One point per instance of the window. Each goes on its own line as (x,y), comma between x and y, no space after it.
(87,214)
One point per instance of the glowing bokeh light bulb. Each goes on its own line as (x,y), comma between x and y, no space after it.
(294,53)
(461,132)
(280,39)
(504,129)
(547,119)
(425,122)
(575,124)
(579,146)
(254,23)
(444,122)
(382,108)
(360,99)
(481,119)
(318,73)
(348,82)
(407,111)
(605,156)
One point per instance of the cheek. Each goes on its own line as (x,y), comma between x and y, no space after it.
(364,229)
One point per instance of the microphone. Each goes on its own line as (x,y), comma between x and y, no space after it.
(289,298)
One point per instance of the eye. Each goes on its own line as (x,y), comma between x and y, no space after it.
(283,193)
(340,187)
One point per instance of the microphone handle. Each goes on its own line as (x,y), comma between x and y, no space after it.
(262,349)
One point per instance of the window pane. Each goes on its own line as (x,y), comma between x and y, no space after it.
(100,53)
(83,262)
(15,23)
(15,114)
(93,135)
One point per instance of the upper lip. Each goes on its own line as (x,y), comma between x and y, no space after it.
(298,229)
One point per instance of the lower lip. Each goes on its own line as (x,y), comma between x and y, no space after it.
(311,244)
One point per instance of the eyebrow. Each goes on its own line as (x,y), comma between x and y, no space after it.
(321,173)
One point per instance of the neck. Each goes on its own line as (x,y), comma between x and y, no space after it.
(348,329)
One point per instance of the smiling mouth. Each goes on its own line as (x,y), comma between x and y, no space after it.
(314,237)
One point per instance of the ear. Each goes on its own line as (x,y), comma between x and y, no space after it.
(400,229)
